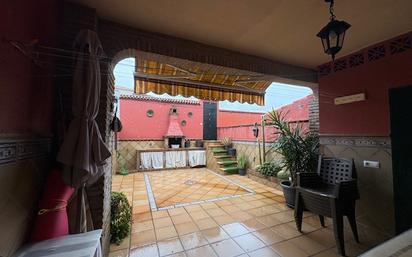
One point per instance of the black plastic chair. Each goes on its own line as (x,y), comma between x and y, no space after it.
(331,192)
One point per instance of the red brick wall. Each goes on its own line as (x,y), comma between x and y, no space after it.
(26,90)
(236,118)
(375,78)
(137,126)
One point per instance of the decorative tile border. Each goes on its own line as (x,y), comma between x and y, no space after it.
(12,150)
(374,142)
(153,205)
(375,52)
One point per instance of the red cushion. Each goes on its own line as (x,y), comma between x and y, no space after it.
(51,220)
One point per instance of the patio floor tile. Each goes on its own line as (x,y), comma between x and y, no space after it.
(256,224)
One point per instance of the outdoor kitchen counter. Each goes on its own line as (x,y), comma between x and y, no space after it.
(170,158)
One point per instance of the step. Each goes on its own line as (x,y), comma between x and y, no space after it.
(219,151)
(230,169)
(223,156)
(227,162)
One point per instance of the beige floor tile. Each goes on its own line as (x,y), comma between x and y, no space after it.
(223,203)
(145,251)
(253,225)
(162,222)
(264,252)
(193,208)
(323,236)
(177,211)
(214,234)
(169,246)
(179,219)
(230,208)
(209,205)
(160,214)
(165,232)
(186,228)
(287,249)
(198,215)
(249,242)
(181,254)
(241,216)
(235,229)
(269,221)
(120,253)
(329,253)
(193,240)
(143,238)
(284,216)
(214,212)
(142,226)
(124,244)
(286,230)
(224,219)
(307,244)
(268,236)
(227,248)
(142,217)
(204,251)
(206,223)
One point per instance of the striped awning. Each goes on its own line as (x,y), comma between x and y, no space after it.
(203,81)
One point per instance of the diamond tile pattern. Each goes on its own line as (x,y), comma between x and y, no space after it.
(169,188)
(256,224)
(128,148)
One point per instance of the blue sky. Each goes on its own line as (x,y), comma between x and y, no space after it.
(276,96)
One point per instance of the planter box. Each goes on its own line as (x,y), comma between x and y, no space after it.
(268,181)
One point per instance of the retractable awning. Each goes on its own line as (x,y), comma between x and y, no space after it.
(203,81)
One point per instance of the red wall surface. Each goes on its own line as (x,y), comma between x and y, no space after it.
(236,118)
(26,90)
(375,78)
(298,110)
(137,126)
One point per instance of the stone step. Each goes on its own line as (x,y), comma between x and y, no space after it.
(219,150)
(223,156)
(227,162)
(230,169)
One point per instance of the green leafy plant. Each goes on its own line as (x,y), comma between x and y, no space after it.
(121,164)
(121,214)
(283,174)
(227,142)
(299,149)
(269,169)
(242,161)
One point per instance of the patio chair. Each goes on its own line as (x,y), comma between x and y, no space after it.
(331,192)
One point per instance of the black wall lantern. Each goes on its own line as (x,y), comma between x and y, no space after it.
(333,34)
(256,130)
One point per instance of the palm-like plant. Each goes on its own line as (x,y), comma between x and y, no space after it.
(299,148)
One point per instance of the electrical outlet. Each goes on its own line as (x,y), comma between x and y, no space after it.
(371,164)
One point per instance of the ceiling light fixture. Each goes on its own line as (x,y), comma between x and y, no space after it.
(333,34)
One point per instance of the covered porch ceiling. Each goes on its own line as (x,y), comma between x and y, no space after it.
(277,30)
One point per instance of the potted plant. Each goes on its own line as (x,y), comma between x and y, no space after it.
(227,144)
(269,169)
(241,164)
(121,164)
(299,149)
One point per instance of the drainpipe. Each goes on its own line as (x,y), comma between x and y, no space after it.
(263,138)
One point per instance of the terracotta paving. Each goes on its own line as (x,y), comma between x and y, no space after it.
(172,188)
(257,224)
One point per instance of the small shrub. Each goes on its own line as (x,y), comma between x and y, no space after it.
(283,174)
(121,214)
(122,164)
(269,169)
(242,161)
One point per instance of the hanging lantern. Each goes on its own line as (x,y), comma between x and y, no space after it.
(333,34)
